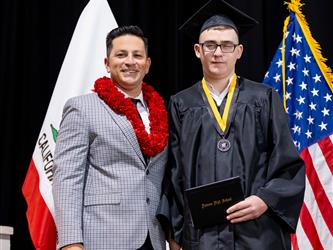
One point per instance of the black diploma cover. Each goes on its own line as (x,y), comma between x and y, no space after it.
(208,203)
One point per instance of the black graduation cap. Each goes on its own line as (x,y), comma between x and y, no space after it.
(215,13)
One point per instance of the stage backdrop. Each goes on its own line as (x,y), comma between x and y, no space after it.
(34,39)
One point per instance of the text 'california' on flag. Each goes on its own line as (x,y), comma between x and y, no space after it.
(82,65)
(299,73)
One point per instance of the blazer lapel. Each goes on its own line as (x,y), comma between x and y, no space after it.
(126,128)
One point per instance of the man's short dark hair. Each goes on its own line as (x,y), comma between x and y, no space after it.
(125,30)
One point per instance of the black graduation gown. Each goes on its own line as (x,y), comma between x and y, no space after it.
(262,153)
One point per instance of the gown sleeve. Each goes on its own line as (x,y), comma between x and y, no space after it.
(284,188)
(171,208)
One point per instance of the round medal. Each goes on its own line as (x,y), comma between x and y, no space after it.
(223,145)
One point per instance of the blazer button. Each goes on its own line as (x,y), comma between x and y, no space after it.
(147,200)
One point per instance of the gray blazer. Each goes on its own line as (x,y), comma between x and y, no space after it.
(105,195)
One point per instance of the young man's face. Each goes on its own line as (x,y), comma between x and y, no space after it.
(127,62)
(218,64)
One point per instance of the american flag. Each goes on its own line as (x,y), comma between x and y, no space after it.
(304,82)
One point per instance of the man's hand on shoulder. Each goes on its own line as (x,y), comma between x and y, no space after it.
(76,246)
(250,208)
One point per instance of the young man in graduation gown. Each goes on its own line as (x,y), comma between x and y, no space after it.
(248,138)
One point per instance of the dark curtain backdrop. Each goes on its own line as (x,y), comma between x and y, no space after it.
(34,39)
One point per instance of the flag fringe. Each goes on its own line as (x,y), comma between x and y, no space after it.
(295,6)
(285,26)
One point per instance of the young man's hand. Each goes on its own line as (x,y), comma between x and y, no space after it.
(250,208)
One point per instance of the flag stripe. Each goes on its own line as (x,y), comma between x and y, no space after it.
(312,158)
(320,224)
(326,147)
(321,162)
(38,214)
(294,243)
(301,238)
(309,228)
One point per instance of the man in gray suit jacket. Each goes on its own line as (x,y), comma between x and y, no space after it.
(110,156)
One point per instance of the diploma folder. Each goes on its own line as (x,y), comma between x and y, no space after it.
(208,203)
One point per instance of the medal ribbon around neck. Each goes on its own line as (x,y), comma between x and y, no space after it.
(222,121)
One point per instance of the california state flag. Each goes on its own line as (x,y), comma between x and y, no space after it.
(82,65)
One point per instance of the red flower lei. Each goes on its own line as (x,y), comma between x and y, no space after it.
(150,144)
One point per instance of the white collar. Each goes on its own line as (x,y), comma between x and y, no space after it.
(139,97)
(219,96)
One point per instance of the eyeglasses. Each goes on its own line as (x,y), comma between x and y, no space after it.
(210,47)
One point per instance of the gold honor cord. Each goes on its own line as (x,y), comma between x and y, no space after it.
(222,121)
(283,50)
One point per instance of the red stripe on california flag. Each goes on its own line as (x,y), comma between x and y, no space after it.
(323,202)
(310,228)
(294,242)
(41,224)
(326,147)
